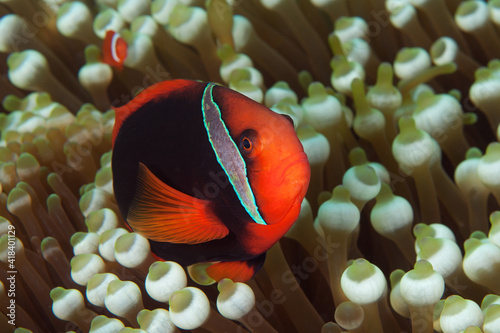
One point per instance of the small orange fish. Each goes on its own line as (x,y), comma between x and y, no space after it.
(114,49)
(207,175)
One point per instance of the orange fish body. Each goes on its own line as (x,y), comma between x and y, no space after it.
(207,174)
(114,49)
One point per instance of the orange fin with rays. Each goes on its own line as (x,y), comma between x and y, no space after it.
(238,271)
(164,214)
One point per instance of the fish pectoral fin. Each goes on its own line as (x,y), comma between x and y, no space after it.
(238,271)
(164,214)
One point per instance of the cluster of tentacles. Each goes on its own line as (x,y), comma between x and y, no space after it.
(395,102)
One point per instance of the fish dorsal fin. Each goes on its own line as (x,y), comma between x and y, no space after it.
(164,214)
(161,89)
(228,154)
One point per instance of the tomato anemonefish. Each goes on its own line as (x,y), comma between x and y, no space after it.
(207,175)
(114,49)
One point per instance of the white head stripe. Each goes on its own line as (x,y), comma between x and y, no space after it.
(114,41)
(228,154)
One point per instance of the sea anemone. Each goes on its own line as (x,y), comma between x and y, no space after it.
(395,103)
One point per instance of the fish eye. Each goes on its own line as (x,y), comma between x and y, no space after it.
(249,143)
(246,144)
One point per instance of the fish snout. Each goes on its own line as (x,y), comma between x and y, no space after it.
(297,173)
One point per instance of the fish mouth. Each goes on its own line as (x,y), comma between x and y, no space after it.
(293,173)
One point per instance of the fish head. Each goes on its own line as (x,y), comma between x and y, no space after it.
(115,49)
(276,166)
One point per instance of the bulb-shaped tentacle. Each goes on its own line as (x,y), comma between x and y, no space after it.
(363,283)
(413,149)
